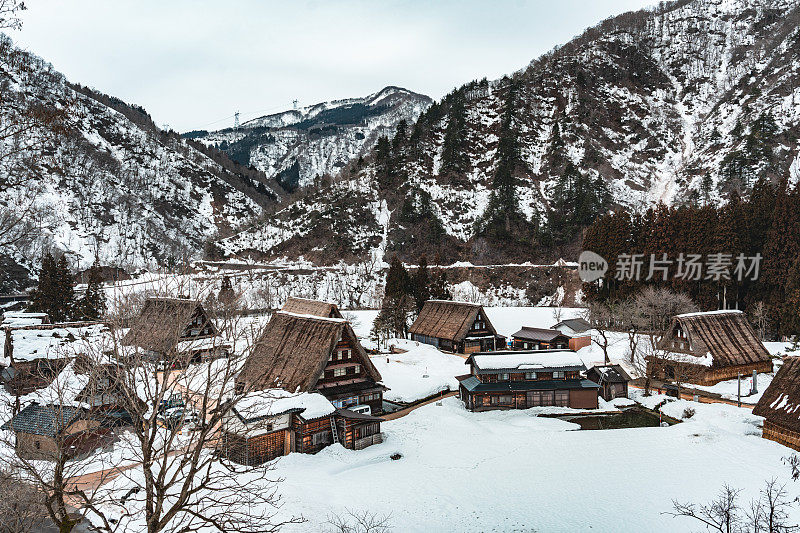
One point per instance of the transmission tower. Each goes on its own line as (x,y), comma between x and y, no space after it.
(236,120)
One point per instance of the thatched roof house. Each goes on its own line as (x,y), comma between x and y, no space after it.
(165,325)
(456,327)
(780,405)
(714,346)
(301,353)
(304,306)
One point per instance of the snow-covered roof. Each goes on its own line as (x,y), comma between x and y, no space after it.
(59,341)
(315,317)
(708,313)
(678,357)
(527,360)
(199,344)
(272,402)
(21,318)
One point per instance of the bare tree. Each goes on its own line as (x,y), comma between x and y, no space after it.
(760,317)
(767,514)
(721,514)
(359,522)
(601,316)
(10,11)
(21,504)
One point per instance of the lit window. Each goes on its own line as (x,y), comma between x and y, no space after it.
(502,377)
(337,372)
(358,369)
(530,375)
(558,374)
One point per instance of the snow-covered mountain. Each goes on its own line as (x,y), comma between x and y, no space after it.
(681,103)
(102,180)
(298,145)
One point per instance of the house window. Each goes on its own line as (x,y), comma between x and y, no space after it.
(357,369)
(338,372)
(526,346)
(530,375)
(269,426)
(562,398)
(502,377)
(344,354)
(37,444)
(558,374)
(321,437)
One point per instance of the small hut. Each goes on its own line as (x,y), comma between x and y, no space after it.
(458,327)
(780,405)
(706,348)
(613,381)
(48,432)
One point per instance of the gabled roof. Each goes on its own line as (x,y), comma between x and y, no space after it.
(258,405)
(726,335)
(304,306)
(610,373)
(780,403)
(46,420)
(578,325)
(537,334)
(448,320)
(525,361)
(293,350)
(56,341)
(162,322)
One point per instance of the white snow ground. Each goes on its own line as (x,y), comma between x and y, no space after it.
(511,471)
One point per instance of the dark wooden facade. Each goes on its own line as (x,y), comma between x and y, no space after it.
(553,383)
(724,336)
(456,327)
(612,379)
(780,404)
(539,339)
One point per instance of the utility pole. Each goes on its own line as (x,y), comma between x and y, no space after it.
(739,390)
(236,120)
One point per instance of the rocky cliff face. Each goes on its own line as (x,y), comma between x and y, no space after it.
(103,181)
(297,146)
(683,103)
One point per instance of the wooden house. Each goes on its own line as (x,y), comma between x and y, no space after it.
(303,353)
(612,379)
(34,355)
(539,339)
(177,330)
(48,432)
(457,327)
(303,306)
(780,404)
(578,330)
(522,379)
(706,348)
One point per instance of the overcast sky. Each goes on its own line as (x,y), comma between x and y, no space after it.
(192,63)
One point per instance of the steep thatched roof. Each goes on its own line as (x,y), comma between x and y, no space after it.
(303,306)
(780,403)
(293,350)
(726,335)
(163,322)
(448,320)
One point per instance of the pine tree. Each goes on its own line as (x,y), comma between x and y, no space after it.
(438,287)
(54,295)
(455,158)
(421,284)
(398,303)
(92,306)
(398,282)
(226,293)
(790,310)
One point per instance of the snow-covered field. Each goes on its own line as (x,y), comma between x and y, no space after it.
(418,373)
(512,471)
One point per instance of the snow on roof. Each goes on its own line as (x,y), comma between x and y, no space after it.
(527,360)
(63,390)
(20,318)
(678,357)
(272,402)
(205,343)
(69,340)
(315,317)
(702,313)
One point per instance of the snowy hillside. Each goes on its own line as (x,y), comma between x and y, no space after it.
(298,145)
(683,103)
(106,182)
